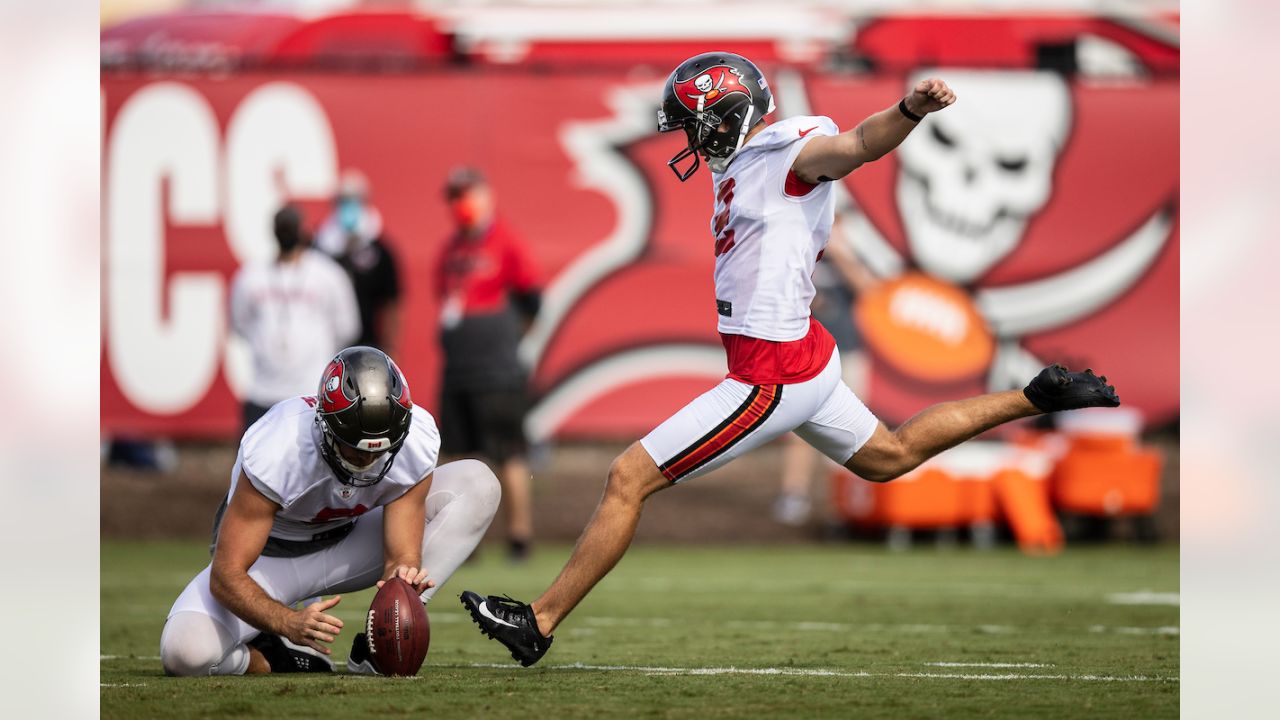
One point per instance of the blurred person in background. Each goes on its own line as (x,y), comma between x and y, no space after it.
(489,293)
(294,312)
(839,278)
(352,235)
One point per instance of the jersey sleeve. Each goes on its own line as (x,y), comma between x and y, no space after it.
(793,188)
(267,449)
(263,487)
(827,126)
(804,129)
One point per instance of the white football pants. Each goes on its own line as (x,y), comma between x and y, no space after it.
(733,418)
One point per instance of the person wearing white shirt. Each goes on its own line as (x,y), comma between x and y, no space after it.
(295,312)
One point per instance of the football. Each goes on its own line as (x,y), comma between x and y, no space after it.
(398,629)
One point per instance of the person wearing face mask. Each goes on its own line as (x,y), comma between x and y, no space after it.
(352,235)
(294,312)
(489,292)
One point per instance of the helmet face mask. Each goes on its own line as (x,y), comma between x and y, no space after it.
(697,134)
(715,98)
(364,404)
(351,465)
(349,473)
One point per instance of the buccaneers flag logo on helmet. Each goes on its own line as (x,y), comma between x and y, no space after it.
(710,87)
(336,394)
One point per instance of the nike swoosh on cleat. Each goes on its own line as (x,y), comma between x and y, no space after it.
(484,610)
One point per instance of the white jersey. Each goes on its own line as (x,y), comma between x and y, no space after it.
(280,454)
(769,229)
(296,317)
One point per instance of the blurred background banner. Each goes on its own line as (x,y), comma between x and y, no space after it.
(1037,222)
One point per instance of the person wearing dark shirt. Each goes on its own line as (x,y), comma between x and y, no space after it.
(489,292)
(352,235)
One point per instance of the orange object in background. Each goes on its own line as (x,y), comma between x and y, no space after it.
(1094,466)
(1105,471)
(971,485)
(1025,502)
(925,499)
(1110,476)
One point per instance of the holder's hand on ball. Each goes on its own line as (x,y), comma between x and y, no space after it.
(417,577)
(929,95)
(312,627)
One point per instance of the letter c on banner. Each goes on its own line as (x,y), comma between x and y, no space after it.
(166,135)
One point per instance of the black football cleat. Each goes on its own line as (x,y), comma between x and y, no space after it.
(511,623)
(1057,388)
(360,661)
(286,657)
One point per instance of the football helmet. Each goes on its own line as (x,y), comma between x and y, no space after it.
(363,403)
(716,98)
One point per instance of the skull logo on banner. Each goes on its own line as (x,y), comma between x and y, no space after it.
(974,175)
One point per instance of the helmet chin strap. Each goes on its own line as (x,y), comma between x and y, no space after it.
(347,472)
(356,476)
(746,126)
(363,481)
(350,466)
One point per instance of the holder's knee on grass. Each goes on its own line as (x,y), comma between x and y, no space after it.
(194,644)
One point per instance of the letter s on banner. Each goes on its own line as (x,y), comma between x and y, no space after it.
(279,146)
(164,365)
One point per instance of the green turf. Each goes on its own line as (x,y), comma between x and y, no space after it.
(874,620)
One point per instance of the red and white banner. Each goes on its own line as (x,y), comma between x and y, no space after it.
(1041,225)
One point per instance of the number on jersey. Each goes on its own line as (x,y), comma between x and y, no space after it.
(724,198)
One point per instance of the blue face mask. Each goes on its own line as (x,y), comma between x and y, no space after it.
(350,213)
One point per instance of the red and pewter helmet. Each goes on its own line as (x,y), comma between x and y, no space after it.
(363,402)
(703,93)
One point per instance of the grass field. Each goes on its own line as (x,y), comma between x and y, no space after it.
(702,632)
